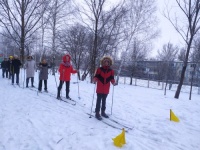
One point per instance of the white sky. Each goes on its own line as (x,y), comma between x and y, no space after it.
(168,33)
(40,122)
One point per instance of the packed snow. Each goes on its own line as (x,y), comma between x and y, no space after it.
(38,121)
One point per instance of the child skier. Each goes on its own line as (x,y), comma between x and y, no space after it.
(103,76)
(65,71)
(43,75)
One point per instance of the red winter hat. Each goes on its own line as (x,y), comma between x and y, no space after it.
(65,58)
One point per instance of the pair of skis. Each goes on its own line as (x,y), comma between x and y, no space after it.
(113,123)
(14,85)
(69,101)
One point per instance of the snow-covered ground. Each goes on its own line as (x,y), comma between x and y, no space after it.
(40,122)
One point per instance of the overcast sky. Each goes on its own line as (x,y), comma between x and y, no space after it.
(168,33)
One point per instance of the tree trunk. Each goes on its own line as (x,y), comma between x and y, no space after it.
(180,82)
(22,40)
(94,56)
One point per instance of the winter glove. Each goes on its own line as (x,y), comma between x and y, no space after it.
(114,84)
(95,80)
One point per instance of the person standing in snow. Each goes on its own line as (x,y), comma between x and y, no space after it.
(43,75)
(65,70)
(9,66)
(4,66)
(30,67)
(15,69)
(103,76)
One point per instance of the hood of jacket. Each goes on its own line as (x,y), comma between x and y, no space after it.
(65,58)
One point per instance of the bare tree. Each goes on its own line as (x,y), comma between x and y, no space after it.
(187,27)
(196,52)
(76,41)
(21,17)
(181,55)
(168,53)
(102,24)
(137,52)
(42,37)
(138,23)
(56,21)
(8,45)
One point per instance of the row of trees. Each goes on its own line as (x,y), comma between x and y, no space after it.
(89,29)
(171,52)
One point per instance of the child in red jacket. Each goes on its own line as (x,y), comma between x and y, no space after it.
(103,76)
(65,70)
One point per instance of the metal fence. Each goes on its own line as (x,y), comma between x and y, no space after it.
(158,74)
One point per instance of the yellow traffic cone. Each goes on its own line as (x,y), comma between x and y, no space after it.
(120,140)
(173,117)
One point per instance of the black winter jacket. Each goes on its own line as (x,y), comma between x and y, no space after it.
(4,65)
(15,66)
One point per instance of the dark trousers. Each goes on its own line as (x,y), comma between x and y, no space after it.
(9,74)
(60,87)
(27,81)
(40,85)
(3,73)
(101,98)
(17,78)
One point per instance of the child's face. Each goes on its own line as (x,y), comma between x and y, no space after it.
(67,58)
(44,61)
(106,62)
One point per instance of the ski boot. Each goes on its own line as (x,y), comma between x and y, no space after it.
(103,114)
(67,97)
(59,98)
(98,116)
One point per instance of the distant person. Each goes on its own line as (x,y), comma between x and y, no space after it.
(4,67)
(30,67)
(65,71)
(15,69)
(9,66)
(103,76)
(43,75)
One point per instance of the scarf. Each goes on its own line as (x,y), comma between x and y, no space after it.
(66,64)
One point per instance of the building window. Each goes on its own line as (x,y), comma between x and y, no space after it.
(192,65)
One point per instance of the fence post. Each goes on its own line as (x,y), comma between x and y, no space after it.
(135,81)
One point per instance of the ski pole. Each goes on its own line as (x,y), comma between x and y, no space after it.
(92,101)
(54,76)
(63,82)
(78,88)
(55,80)
(24,78)
(39,71)
(21,76)
(13,75)
(112,99)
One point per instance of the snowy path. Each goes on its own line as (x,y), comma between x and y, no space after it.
(39,122)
